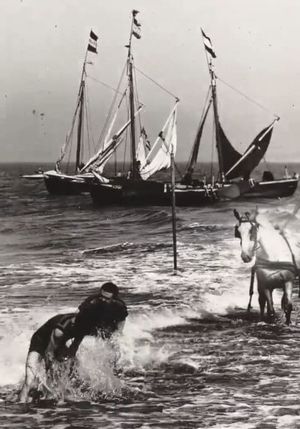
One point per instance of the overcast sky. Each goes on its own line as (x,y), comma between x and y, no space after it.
(42,46)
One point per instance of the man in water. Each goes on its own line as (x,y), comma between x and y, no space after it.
(102,313)
(47,344)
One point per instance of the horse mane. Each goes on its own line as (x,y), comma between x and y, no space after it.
(262,220)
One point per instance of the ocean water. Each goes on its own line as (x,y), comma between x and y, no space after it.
(190,356)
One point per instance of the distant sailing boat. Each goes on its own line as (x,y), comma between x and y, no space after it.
(135,187)
(234,176)
(66,178)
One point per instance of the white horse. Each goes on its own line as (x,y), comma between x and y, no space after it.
(274,264)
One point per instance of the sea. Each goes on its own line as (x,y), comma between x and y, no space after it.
(190,355)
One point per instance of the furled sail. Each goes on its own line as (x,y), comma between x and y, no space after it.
(159,156)
(252,156)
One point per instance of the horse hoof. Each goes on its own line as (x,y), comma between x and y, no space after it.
(271,318)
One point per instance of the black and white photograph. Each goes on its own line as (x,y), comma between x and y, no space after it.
(149,214)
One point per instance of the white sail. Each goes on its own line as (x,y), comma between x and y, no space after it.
(140,152)
(160,158)
(103,154)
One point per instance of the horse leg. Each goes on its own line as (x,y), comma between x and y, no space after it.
(270,305)
(286,302)
(262,303)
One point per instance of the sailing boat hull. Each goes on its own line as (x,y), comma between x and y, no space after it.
(60,184)
(153,193)
(127,192)
(272,189)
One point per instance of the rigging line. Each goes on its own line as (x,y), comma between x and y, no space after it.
(247,97)
(137,98)
(70,134)
(109,114)
(156,83)
(104,84)
(202,115)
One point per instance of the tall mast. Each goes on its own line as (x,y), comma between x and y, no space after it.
(216,116)
(135,174)
(80,116)
(210,53)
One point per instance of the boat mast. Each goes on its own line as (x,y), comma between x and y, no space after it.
(216,116)
(80,116)
(135,174)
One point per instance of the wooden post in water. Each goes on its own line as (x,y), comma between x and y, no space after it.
(174,211)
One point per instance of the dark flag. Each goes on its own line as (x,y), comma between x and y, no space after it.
(147,142)
(92,46)
(136,26)
(208,44)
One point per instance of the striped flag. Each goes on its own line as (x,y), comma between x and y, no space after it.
(92,46)
(208,44)
(136,26)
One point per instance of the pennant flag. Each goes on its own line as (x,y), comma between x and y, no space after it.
(136,26)
(208,44)
(92,46)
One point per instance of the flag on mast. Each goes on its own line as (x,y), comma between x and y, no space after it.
(92,46)
(208,44)
(136,26)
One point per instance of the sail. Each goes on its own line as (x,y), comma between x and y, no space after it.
(103,154)
(230,156)
(108,138)
(140,152)
(252,156)
(166,143)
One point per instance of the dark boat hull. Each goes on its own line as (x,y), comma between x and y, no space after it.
(66,185)
(158,193)
(130,193)
(272,189)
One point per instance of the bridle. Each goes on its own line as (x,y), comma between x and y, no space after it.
(246,219)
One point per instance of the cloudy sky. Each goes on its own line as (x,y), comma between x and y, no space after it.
(43,42)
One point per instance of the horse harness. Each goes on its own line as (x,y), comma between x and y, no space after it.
(292,266)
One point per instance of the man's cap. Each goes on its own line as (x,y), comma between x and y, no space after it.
(111,288)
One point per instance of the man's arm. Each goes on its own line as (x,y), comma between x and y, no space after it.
(92,299)
(122,314)
(72,350)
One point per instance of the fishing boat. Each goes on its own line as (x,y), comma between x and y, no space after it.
(233,179)
(133,186)
(66,178)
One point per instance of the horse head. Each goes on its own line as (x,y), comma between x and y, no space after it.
(246,231)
